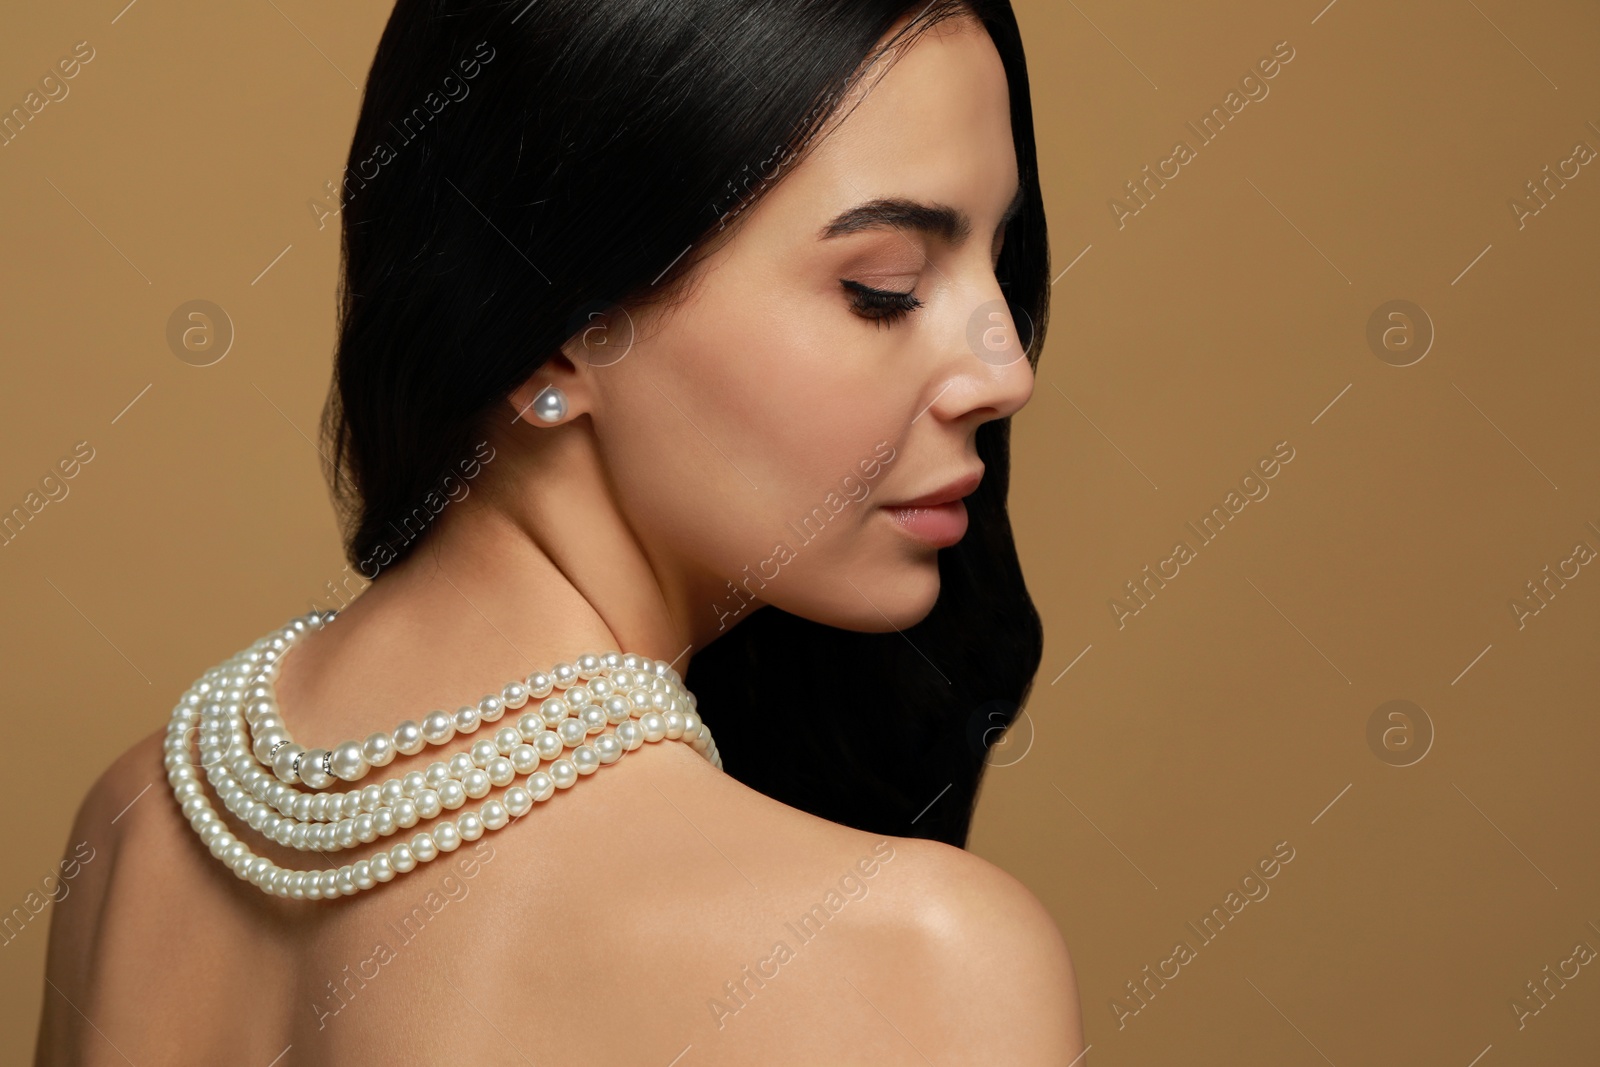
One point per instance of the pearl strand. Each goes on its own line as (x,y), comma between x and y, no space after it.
(214,708)
(442,785)
(351,760)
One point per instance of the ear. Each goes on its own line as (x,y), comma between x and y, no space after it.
(560,371)
(600,339)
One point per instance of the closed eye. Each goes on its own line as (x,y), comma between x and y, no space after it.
(882,305)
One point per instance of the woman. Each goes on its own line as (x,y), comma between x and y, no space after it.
(675,330)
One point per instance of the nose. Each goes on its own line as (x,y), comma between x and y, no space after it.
(989,372)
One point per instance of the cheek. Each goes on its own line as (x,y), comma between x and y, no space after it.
(740,424)
(809,388)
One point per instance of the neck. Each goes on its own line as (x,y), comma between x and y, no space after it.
(533,566)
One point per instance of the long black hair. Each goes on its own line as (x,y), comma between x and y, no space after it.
(516,165)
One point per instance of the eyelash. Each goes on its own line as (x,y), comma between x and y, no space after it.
(881,305)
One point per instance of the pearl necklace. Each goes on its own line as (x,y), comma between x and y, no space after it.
(255,767)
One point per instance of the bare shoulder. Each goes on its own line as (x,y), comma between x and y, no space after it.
(124,785)
(123,802)
(126,821)
(982,967)
(77,889)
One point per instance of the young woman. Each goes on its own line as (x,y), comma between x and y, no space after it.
(678,344)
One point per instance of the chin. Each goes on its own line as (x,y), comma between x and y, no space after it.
(894,598)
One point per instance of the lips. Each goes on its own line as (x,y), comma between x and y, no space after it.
(963,486)
(938,518)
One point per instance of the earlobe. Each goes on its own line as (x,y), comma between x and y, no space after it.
(550,406)
(547,396)
(547,405)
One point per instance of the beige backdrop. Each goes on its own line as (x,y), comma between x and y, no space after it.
(1435,463)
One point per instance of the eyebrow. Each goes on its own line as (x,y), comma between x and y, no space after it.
(949,224)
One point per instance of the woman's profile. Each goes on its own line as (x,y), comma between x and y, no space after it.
(676,354)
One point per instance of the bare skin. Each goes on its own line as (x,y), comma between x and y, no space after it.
(636,917)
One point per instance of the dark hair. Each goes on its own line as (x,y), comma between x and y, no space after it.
(585,148)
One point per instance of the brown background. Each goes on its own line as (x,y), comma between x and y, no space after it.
(1231,313)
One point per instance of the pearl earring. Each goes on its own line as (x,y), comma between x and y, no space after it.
(550,405)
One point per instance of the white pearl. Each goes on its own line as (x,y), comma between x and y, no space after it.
(539,685)
(630,735)
(607,748)
(264,742)
(446,836)
(476,783)
(547,743)
(438,727)
(347,763)
(585,760)
(518,800)
(405,813)
(563,773)
(452,795)
(470,825)
(572,732)
(408,739)
(490,708)
(577,696)
(311,772)
(541,785)
(553,711)
(402,858)
(655,727)
(529,725)
(483,751)
(494,814)
(428,803)
(506,739)
(466,719)
(524,759)
(500,771)
(438,772)
(423,847)
(378,749)
(283,762)
(514,695)
(674,725)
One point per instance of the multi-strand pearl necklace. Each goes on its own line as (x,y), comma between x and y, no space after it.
(231,716)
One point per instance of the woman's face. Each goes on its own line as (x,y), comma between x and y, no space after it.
(757,433)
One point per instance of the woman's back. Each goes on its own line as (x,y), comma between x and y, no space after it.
(657,910)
